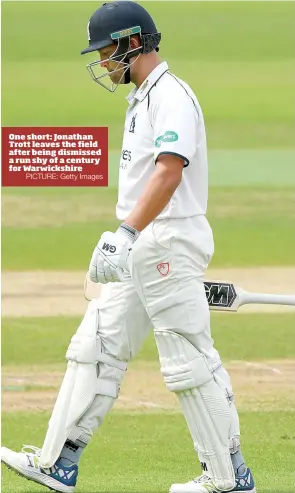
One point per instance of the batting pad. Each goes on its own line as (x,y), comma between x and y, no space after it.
(203,403)
(90,373)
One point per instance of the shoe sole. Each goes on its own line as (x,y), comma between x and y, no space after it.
(233,491)
(66,489)
(245,491)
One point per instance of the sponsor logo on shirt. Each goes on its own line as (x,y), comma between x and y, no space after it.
(169,136)
(125,158)
(132,124)
(126,155)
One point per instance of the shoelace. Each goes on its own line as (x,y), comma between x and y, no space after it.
(31,449)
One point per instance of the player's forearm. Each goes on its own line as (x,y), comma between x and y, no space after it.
(156,195)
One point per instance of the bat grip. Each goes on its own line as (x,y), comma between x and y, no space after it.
(268,299)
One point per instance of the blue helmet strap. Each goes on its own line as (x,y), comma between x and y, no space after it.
(127,76)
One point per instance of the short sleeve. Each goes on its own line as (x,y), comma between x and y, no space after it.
(175,124)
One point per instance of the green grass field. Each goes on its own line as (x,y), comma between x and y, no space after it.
(144,453)
(242,75)
(239,59)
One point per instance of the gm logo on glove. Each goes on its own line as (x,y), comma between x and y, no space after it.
(109,248)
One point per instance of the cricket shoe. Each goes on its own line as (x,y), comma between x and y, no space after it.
(204,484)
(26,463)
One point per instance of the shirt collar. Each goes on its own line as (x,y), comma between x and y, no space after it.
(147,84)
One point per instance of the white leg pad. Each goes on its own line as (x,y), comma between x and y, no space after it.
(203,403)
(222,378)
(89,373)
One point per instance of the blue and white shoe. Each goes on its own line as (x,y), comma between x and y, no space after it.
(203,484)
(26,463)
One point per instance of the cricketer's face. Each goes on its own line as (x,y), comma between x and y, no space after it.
(114,67)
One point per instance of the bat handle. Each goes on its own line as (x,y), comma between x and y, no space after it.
(268,299)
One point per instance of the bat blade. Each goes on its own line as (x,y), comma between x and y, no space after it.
(222,296)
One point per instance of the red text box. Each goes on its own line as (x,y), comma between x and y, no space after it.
(54,156)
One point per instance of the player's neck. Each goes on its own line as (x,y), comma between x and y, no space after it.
(143,67)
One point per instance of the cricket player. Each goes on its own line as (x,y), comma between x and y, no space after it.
(153,270)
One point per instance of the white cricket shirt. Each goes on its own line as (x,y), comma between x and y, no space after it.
(163,117)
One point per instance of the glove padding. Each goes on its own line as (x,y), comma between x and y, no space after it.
(109,259)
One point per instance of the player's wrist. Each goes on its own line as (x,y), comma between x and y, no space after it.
(128,231)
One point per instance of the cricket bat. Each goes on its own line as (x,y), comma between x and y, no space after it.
(229,297)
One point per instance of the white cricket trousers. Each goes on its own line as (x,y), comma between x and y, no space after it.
(164,290)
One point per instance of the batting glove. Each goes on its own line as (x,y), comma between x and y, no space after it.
(110,256)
